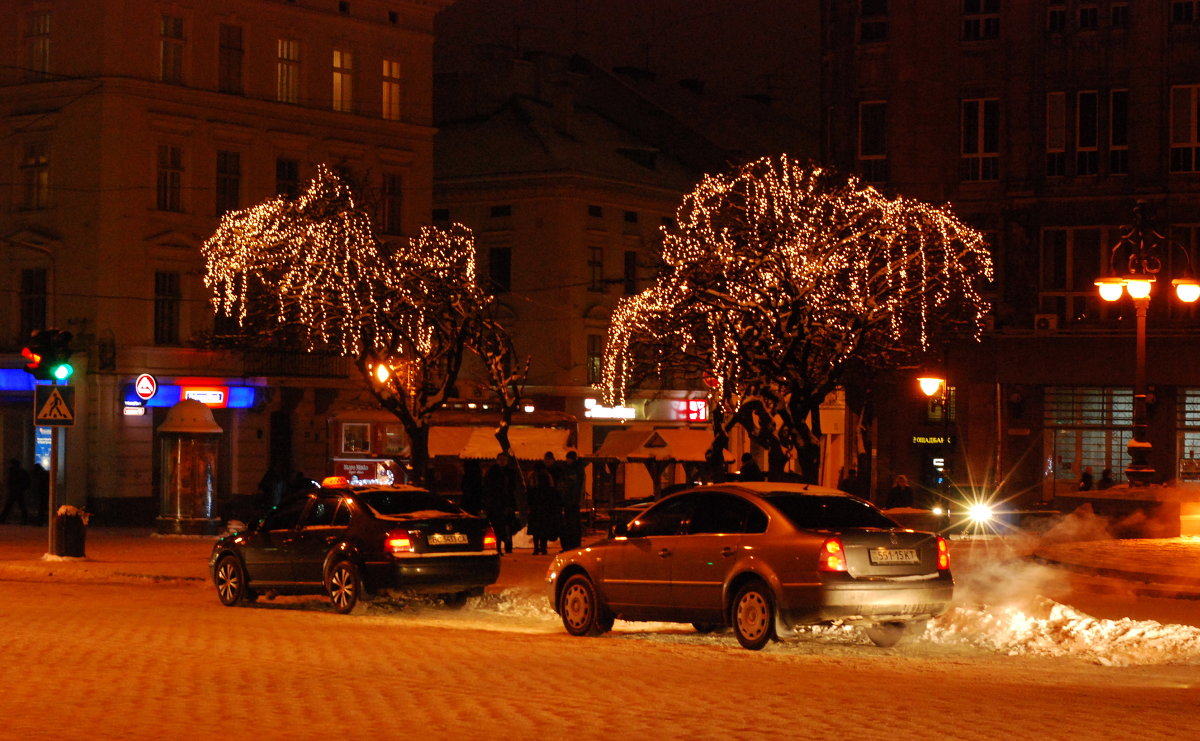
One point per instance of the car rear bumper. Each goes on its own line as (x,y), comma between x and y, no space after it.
(873,601)
(434,574)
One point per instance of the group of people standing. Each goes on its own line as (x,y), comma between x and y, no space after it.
(546,500)
(22,488)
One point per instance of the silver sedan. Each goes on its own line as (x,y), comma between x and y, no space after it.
(760,557)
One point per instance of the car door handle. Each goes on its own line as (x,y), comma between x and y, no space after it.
(663,553)
(727,551)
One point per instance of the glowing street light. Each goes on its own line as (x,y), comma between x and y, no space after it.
(1140,246)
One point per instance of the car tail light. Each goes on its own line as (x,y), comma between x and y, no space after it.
(833,556)
(399,541)
(489,538)
(943,554)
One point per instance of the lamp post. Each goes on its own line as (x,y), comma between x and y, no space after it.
(933,382)
(1140,248)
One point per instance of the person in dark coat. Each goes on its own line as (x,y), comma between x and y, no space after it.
(500,501)
(750,470)
(1085,479)
(270,490)
(18,484)
(900,495)
(39,489)
(570,486)
(472,487)
(545,506)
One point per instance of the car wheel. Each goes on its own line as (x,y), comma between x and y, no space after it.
(458,600)
(706,628)
(886,635)
(581,609)
(754,616)
(344,586)
(230,579)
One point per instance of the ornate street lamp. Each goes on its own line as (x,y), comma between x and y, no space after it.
(934,383)
(1140,248)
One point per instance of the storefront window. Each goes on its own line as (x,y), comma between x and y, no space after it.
(356,437)
(1090,428)
(395,441)
(1188,469)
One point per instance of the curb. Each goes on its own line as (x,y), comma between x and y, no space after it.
(1156,585)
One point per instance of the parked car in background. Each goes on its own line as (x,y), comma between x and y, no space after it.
(760,557)
(345,540)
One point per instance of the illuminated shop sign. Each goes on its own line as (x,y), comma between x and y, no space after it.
(217,397)
(690,410)
(932,440)
(595,410)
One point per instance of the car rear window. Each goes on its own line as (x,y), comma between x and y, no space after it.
(813,512)
(407,502)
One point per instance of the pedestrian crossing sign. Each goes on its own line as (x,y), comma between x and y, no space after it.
(54,406)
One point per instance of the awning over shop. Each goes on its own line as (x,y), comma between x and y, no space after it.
(528,443)
(676,443)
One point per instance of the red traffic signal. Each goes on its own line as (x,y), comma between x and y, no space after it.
(48,354)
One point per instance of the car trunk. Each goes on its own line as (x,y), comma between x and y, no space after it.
(875,554)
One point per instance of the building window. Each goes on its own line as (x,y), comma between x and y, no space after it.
(35,177)
(37,45)
(981,139)
(631,217)
(872,141)
(343,80)
(167,299)
(500,212)
(942,408)
(1119,15)
(872,21)
(229,59)
(391,89)
(171,50)
(630,282)
(595,359)
(33,300)
(981,20)
(170,178)
(440,215)
(1087,126)
(595,212)
(392,204)
(1185,135)
(1056,135)
(1183,11)
(1090,427)
(596,268)
(500,269)
(356,437)
(343,7)
(287,71)
(1118,132)
(287,177)
(1056,18)
(1089,17)
(229,181)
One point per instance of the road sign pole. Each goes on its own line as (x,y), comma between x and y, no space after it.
(52,490)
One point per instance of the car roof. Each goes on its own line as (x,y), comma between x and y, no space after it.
(763,488)
(368,488)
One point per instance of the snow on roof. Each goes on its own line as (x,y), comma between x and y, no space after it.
(674,443)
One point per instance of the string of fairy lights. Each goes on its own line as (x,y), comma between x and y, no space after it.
(776,275)
(407,312)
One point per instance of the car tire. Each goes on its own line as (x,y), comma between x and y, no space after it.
(582,612)
(753,615)
(886,635)
(230,580)
(458,600)
(344,586)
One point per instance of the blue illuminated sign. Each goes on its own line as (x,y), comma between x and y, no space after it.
(169,394)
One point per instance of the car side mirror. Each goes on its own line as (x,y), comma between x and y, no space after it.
(620,529)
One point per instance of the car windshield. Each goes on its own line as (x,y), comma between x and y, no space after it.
(818,512)
(391,502)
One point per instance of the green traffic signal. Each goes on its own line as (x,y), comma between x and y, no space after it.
(48,355)
(62,371)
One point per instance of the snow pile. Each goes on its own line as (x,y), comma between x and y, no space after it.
(1048,628)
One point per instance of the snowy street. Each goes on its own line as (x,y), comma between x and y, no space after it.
(142,659)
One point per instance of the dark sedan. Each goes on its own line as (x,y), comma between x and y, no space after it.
(344,540)
(760,557)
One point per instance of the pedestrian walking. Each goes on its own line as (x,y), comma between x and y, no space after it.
(570,487)
(545,506)
(472,487)
(39,489)
(901,494)
(500,501)
(1085,479)
(1106,479)
(18,484)
(750,470)
(270,489)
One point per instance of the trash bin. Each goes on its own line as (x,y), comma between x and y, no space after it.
(70,532)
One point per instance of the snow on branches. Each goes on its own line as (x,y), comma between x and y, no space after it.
(776,277)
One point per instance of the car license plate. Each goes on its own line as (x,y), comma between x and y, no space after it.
(447,538)
(893,555)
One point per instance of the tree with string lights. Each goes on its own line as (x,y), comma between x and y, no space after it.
(781,282)
(310,271)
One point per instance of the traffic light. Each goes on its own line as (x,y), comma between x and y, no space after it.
(48,355)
